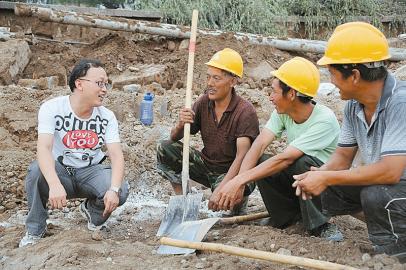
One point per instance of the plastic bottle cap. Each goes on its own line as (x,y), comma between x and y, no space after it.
(148,96)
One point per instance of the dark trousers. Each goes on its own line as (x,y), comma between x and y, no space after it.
(384,208)
(169,163)
(283,205)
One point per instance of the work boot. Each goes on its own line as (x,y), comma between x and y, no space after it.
(328,231)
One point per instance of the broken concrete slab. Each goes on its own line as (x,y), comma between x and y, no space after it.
(184,45)
(41,83)
(5,34)
(147,74)
(15,55)
(260,72)
(132,88)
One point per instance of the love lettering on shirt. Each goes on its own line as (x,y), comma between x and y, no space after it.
(80,139)
(80,134)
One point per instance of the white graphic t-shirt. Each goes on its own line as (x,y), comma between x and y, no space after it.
(77,142)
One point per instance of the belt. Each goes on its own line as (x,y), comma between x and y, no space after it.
(72,170)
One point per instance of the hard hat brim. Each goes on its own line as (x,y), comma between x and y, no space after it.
(217,65)
(324,61)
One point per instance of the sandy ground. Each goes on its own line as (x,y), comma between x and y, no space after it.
(130,242)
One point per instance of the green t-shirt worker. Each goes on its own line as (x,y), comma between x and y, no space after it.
(312,131)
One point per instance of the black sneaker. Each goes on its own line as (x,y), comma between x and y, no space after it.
(85,213)
(328,231)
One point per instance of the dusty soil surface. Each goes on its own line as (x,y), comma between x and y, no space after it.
(130,242)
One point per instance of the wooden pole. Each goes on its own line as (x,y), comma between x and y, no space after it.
(238,219)
(188,104)
(257,254)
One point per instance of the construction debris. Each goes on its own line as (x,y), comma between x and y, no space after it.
(5,34)
(15,55)
(42,83)
(174,31)
(146,74)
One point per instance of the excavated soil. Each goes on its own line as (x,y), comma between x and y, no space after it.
(130,242)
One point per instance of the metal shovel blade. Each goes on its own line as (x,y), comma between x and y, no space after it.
(195,231)
(180,209)
(189,231)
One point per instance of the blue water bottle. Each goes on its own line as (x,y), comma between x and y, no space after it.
(147,109)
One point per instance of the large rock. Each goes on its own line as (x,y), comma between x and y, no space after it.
(146,75)
(261,71)
(42,83)
(15,55)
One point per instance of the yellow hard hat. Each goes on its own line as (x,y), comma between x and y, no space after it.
(228,60)
(299,74)
(354,43)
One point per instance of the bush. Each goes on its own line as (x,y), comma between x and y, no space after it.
(257,16)
(253,16)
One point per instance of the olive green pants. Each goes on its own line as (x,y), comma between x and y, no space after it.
(169,157)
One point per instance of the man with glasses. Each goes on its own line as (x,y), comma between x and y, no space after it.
(227,123)
(72,130)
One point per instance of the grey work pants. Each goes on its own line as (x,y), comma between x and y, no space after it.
(283,205)
(90,182)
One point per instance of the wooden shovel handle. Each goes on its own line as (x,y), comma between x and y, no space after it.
(188,102)
(238,219)
(256,254)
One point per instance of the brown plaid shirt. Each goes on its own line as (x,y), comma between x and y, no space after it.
(220,139)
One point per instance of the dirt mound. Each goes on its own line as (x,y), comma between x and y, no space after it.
(120,51)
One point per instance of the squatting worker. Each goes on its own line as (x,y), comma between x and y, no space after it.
(374,125)
(312,131)
(228,125)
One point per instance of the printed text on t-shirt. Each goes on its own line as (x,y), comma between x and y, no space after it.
(82,134)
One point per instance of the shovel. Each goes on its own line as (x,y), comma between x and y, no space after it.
(184,207)
(196,230)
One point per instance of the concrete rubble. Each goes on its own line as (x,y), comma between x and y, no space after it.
(15,55)
(145,75)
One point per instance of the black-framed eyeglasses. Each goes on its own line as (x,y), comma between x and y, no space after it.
(100,84)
